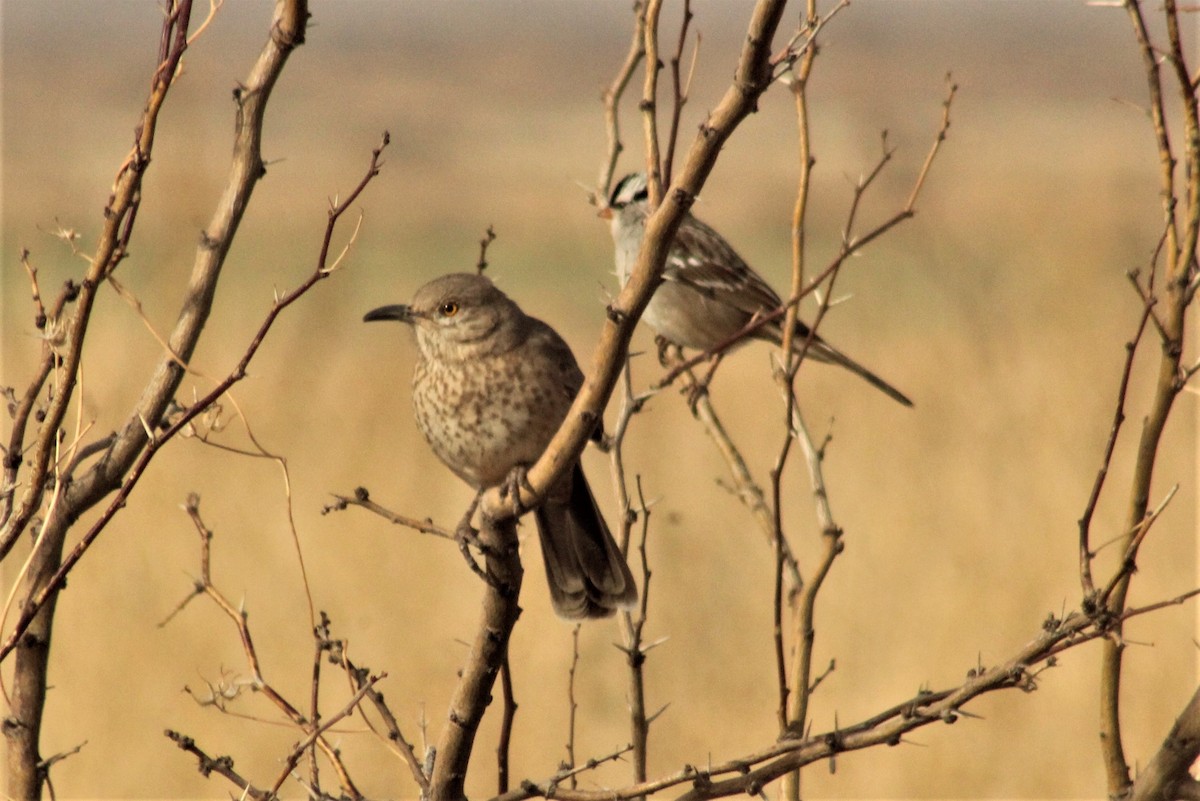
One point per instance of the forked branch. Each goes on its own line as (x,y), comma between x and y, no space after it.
(152,446)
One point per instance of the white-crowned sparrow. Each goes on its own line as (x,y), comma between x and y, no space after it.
(708,292)
(490,389)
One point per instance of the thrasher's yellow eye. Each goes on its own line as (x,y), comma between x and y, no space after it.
(448,309)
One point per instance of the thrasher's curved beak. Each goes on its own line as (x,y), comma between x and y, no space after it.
(397,311)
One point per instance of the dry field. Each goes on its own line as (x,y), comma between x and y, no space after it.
(1002,309)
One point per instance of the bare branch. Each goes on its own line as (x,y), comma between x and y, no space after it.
(951,90)
(313,728)
(649,104)
(831,546)
(1134,542)
(548,788)
(612,100)
(1085,521)
(572,706)
(473,694)
(222,766)
(363,499)
(489,236)
(359,678)
(315,735)
(1167,774)
(506,724)
(750,80)
(751,772)
(632,627)
(679,90)
(749,492)
(55,581)
(1180,207)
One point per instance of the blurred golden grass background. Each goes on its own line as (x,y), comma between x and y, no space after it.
(1002,309)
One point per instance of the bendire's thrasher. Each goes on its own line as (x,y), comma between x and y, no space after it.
(491,387)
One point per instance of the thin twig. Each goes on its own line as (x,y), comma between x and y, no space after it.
(632,624)
(489,236)
(222,766)
(612,99)
(805,161)
(951,90)
(572,706)
(832,545)
(1085,520)
(39,317)
(679,90)
(1180,208)
(748,490)
(315,736)
(802,45)
(238,617)
(787,693)
(548,788)
(649,104)
(632,627)
(750,772)
(1129,559)
(362,499)
(506,724)
(320,646)
(395,738)
(56,581)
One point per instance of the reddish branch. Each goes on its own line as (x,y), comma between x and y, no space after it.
(181,422)
(111,472)
(119,215)
(26,771)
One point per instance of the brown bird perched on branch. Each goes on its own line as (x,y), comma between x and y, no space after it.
(491,387)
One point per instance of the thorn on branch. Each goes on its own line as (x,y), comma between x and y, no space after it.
(221,765)
(339,504)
